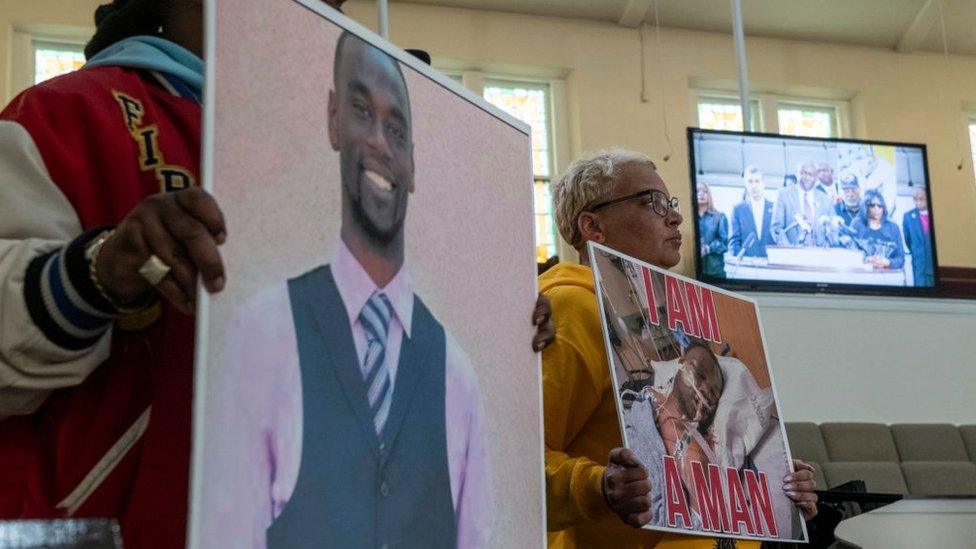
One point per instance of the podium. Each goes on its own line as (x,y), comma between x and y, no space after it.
(817,258)
(809,264)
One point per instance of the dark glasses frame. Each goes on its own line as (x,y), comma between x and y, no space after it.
(669,204)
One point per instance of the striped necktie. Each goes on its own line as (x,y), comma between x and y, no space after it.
(375,319)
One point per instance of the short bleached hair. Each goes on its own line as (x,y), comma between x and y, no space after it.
(589,180)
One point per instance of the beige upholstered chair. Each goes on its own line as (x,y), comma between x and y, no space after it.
(916,459)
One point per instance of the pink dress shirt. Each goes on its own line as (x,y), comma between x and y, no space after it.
(253,438)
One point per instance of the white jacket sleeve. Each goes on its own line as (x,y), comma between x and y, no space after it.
(50,335)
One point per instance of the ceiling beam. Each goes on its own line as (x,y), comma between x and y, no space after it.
(927,15)
(635,12)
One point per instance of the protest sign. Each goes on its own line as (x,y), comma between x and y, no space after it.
(696,401)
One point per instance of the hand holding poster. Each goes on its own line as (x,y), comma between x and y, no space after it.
(366,378)
(696,401)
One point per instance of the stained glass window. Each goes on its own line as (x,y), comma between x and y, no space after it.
(722,113)
(53,59)
(545,226)
(795,116)
(807,120)
(530,104)
(719,116)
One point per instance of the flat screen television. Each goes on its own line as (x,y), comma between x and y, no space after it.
(785,213)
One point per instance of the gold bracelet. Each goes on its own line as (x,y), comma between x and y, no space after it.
(91,254)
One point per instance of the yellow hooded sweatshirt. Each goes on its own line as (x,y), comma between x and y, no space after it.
(581,426)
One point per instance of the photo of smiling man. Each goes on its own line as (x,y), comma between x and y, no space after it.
(368,377)
(380,432)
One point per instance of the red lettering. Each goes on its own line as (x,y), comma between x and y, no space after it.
(699,325)
(675,495)
(762,505)
(649,288)
(711,500)
(737,502)
(694,311)
(710,322)
(676,305)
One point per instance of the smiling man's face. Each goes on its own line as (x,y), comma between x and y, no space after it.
(369,125)
(808,176)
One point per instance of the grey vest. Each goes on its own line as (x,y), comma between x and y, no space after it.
(353,489)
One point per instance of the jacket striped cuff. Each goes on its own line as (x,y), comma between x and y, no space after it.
(61,298)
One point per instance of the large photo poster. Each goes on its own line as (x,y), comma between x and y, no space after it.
(696,401)
(366,378)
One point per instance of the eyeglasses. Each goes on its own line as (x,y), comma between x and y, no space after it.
(660,202)
(875,205)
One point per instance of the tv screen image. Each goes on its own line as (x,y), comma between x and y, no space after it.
(776,212)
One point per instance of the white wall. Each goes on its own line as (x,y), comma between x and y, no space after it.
(885,360)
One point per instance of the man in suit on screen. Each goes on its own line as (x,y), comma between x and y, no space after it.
(917,226)
(798,211)
(752,218)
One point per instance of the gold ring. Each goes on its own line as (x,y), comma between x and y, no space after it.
(154,270)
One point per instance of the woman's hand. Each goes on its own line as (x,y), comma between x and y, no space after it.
(800,486)
(545,331)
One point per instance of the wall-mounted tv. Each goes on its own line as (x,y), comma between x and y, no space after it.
(785,213)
